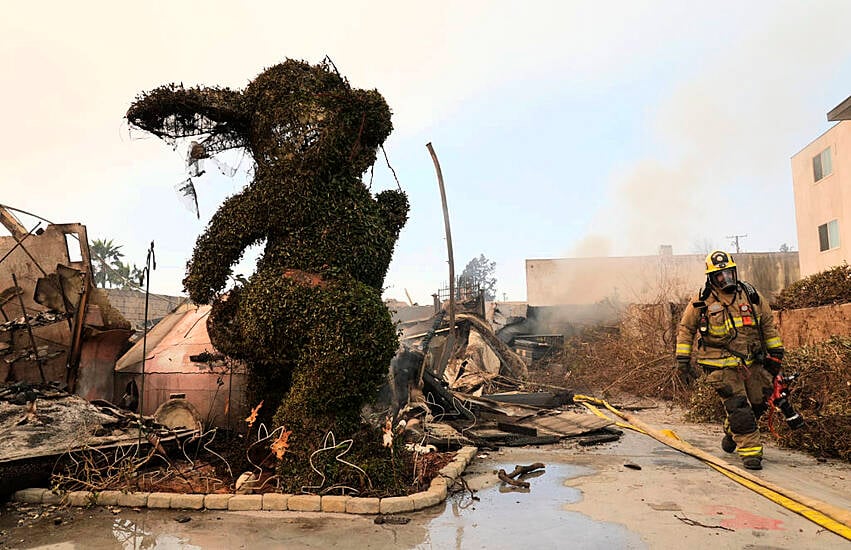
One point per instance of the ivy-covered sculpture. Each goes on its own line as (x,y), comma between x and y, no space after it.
(310,321)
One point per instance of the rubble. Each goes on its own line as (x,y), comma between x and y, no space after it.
(40,424)
(481,397)
(56,326)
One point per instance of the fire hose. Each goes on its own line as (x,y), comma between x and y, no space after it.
(830,517)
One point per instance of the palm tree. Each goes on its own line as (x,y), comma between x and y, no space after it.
(106,259)
(126,277)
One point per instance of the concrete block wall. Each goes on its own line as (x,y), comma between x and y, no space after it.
(131,304)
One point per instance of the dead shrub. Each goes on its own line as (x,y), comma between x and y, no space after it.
(636,357)
(832,286)
(822,394)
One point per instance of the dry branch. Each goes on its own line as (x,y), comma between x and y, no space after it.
(504,477)
(521,470)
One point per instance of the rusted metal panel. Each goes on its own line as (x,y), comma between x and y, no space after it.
(97,363)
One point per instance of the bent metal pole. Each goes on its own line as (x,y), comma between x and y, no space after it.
(450,341)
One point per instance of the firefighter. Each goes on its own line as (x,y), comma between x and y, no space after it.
(735,331)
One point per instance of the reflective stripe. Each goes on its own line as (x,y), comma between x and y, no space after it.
(683,349)
(750,451)
(723,362)
(774,343)
(721,330)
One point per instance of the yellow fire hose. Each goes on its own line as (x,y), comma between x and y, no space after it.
(826,515)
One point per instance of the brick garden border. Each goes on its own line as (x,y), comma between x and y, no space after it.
(268,501)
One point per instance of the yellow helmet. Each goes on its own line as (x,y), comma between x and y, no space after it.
(718,260)
(721,270)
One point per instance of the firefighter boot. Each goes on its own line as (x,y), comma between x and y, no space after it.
(728,444)
(752,462)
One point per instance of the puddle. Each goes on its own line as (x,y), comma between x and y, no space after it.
(533,518)
(133,537)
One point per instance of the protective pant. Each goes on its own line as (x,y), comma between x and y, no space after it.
(744,392)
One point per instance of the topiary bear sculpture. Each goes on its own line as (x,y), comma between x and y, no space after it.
(310,322)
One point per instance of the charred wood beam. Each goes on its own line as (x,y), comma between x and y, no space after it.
(597,439)
(512,362)
(12,224)
(77,334)
(444,398)
(516,428)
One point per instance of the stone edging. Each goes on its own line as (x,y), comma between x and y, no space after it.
(268,501)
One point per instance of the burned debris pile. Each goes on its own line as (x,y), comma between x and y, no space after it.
(481,392)
(56,327)
(45,431)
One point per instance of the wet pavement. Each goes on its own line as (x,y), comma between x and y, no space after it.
(585,498)
(499,517)
(510,517)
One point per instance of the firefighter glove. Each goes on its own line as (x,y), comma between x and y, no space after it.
(685,373)
(774,361)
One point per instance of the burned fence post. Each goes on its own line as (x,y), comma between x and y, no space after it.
(73,363)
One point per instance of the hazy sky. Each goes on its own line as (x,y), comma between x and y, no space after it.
(563,128)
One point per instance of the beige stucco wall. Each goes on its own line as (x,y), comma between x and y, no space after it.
(819,202)
(804,327)
(646,279)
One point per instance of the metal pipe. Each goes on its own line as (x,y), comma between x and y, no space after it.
(450,342)
(151,259)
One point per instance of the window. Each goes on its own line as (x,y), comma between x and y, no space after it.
(822,165)
(828,235)
(72,243)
